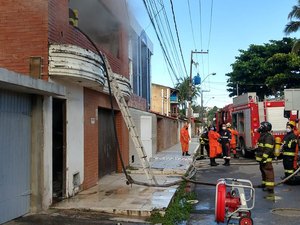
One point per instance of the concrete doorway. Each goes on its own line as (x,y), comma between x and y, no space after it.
(59,149)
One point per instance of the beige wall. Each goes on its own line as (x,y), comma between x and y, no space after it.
(160,104)
(167,130)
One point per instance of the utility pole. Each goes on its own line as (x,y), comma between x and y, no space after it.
(202,109)
(191,83)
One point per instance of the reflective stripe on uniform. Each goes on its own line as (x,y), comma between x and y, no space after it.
(265,145)
(289,153)
(269,146)
(258,158)
(289,171)
(270,184)
(265,155)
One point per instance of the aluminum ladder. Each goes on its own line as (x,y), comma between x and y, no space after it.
(129,123)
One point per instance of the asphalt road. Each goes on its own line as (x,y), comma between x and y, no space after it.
(283,208)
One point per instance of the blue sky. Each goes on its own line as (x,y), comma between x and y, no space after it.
(235,25)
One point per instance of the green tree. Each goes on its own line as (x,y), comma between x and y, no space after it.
(294,25)
(256,69)
(183,86)
(211,115)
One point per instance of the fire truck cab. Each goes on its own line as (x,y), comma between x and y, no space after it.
(247,114)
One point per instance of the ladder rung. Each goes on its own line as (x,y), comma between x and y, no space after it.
(129,123)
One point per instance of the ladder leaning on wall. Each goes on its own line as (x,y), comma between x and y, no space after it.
(129,123)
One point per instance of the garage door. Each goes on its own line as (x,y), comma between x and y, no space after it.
(15,138)
(107,144)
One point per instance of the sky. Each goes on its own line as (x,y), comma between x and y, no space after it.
(221,28)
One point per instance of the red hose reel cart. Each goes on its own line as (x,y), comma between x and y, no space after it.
(234,200)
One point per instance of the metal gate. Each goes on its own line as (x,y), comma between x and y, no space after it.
(15,144)
(107,144)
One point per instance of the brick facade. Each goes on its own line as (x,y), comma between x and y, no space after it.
(27,27)
(61,32)
(137,102)
(23,34)
(92,101)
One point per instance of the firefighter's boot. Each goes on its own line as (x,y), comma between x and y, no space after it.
(227,162)
(213,162)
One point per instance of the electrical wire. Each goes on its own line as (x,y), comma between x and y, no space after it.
(148,9)
(174,19)
(200,24)
(190,14)
(173,47)
(210,23)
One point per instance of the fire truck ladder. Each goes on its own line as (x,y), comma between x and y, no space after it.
(130,123)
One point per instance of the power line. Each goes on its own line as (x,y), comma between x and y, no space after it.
(164,38)
(210,23)
(178,63)
(174,18)
(159,39)
(200,23)
(191,23)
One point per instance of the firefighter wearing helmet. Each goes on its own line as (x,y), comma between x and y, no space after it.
(289,151)
(233,139)
(264,155)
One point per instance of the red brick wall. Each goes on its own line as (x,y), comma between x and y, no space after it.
(123,137)
(23,33)
(92,101)
(61,32)
(137,102)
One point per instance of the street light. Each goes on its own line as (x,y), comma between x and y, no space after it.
(208,101)
(201,91)
(212,74)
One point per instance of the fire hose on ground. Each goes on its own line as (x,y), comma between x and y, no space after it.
(193,170)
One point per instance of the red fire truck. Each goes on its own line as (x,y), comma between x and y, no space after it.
(246,113)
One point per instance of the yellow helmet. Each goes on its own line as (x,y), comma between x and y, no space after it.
(228,125)
(292,123)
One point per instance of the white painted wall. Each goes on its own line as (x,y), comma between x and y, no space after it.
(47,189)
(74,136)
(136,116)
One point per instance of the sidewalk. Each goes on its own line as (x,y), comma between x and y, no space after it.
(112,194)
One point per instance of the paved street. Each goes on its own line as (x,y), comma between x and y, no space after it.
(75,217)
(285,196)
(264,211)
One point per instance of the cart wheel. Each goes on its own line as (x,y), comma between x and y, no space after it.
(220,202)
(245,214)
(245,221)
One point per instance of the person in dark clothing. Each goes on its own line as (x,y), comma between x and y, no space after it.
(264,155)
(289,146)
(204,143)
(225,142)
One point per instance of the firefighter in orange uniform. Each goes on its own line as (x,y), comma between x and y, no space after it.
(185,139)
(214,145)
(264,155)
(233,139)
